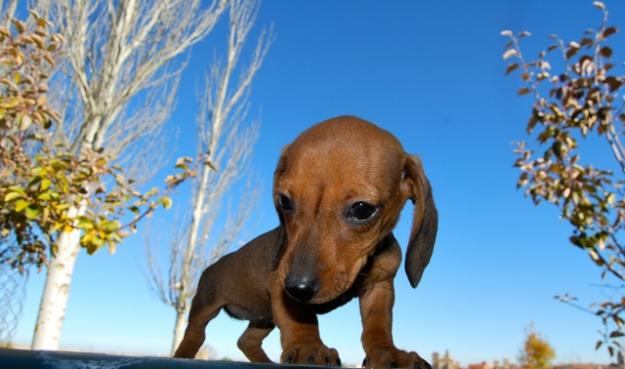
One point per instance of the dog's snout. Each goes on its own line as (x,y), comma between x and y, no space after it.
(301,288)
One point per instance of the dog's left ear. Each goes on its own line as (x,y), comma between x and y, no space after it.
(425,219)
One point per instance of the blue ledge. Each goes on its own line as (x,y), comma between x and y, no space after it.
(27,359)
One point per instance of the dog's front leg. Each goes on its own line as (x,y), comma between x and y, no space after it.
(376,309)
(299,332)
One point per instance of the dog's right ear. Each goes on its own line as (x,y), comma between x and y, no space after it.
(425,219)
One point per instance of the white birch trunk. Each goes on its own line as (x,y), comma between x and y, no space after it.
(183,298)
(181,322)
(56,290)
(112,57)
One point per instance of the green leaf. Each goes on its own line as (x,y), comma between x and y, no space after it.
(111,226)
(31,213)
(85,223)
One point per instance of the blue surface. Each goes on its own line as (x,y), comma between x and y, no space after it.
(26,359)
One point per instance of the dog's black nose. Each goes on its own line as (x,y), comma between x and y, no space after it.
(302,288)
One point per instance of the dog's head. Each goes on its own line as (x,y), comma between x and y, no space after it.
(339,189)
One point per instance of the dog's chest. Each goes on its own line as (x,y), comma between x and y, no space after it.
(337,302)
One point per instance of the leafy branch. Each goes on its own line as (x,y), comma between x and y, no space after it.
(582,97)
(42,182)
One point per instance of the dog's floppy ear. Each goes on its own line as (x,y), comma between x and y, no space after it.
(425,219)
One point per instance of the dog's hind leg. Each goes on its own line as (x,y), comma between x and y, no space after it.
(251,340)
(200,314)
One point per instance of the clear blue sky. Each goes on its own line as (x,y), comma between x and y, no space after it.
(430,72)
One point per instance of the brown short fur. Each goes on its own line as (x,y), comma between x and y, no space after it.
(323,253)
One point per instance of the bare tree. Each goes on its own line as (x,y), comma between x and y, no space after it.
(115,90)
(7,9)
(224,149)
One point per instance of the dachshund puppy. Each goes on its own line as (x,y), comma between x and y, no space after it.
(338,190)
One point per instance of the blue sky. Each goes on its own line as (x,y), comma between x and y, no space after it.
(431,73)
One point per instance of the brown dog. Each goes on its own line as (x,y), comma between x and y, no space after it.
(338,189)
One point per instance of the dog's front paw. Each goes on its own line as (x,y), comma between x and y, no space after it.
(390,357)
(310,353)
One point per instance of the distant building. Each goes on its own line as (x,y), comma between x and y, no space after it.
(482,365)
(445,362)
(503,364)
(580,366)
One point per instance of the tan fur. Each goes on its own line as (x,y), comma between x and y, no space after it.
(320,257)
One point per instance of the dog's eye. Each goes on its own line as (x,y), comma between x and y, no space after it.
(361,212)
(284,202)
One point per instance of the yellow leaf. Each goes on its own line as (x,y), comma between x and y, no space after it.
(49,59)
(45,184)
(39,41)
(31,213)
(12,196)
(167,202)
(42,100)
(19,26)
(21,204)
(25,121)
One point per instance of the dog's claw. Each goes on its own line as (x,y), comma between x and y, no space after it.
(364,362)
(338,362)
